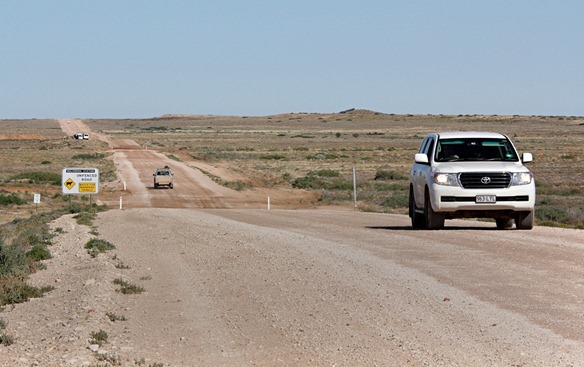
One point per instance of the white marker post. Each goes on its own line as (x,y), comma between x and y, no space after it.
(354,188)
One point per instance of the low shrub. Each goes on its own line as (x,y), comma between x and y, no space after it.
(11,199)
(38,177)
(98,337)
(127,288)
(5,339)
(96,246)
(113,317)
(389,175)
(235,185)
(39,252)
(321,156)
(315,180)
(14,289)
(397,200)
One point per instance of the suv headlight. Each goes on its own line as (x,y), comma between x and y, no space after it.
(521,178)
(446,179)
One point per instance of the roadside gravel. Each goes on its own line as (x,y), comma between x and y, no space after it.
(302,288)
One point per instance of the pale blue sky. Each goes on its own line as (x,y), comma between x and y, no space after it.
(141,58)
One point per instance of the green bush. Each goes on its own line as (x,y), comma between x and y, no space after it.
(38,177)
(96,246)
(12,260)
(13,289)
(11,199)
(100,337)
(85,218)
(315,180)
(39,252)
(326,173)
(548,214)
(389,175)
(397,200)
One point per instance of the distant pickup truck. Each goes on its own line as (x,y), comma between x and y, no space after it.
(163,177)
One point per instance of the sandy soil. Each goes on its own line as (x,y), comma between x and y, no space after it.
(256,287)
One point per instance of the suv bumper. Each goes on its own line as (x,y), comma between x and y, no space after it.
(451,199)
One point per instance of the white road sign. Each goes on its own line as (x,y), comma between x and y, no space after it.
(80,181)
(36,198)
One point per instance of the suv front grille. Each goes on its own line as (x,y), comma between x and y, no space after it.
(485,180)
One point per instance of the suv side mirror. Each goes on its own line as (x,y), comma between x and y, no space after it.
(421,158)
(526,157)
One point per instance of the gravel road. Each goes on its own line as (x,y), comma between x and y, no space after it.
(239,287)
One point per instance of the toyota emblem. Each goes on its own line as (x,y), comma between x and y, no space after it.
(486,180)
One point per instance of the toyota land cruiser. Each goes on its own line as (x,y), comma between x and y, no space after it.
(471,175)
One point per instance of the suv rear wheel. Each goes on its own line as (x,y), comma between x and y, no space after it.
(418,220)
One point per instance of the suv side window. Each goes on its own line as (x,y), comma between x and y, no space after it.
(423,146)
(429,148)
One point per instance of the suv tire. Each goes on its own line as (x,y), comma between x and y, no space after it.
(525,220)
(504,223)
(433,220)
(418,220)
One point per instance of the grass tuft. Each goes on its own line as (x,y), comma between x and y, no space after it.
(98,337)
(96,246)
(127,288)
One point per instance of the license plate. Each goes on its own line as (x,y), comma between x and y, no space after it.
(485,199)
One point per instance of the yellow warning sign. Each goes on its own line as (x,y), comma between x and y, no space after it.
(80,181)
(69,184)
(87,187)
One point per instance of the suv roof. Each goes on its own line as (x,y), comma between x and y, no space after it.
(470,134)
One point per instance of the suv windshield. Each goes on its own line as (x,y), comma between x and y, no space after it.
(474,149)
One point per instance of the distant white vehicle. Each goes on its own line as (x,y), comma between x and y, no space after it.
(81,136)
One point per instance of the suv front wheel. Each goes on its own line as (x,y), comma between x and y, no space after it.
(525,220)
(418,220)
(433,220)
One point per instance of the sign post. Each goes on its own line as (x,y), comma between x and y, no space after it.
(36,201)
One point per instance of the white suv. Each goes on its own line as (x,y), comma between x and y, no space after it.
(471,175)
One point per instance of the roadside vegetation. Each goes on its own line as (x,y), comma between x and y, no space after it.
(317,152)
(24,244)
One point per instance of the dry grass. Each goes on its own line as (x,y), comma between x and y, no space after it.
(276,151)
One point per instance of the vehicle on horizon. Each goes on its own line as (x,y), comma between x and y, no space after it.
(471,175)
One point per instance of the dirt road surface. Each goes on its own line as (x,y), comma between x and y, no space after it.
(258,287)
